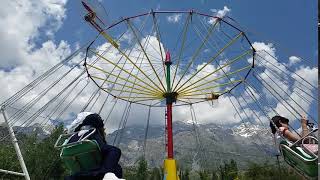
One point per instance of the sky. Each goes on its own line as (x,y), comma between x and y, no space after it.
(291,24)
(38,34)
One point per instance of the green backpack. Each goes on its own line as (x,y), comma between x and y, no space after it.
(82,155)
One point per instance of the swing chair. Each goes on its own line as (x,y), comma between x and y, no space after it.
(78,152)
(302,154)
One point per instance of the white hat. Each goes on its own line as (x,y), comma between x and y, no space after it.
(80,117)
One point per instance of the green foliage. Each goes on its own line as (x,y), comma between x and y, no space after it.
(185,174)
(129,173)
(228,170)
(204,175)
(155,174)
(214,175)
(142,172)
(268,171)
(41,158)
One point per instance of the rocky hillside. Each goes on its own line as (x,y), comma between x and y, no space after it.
(194,146)
(215,144)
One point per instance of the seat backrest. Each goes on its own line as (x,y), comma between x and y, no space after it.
(300,160)
(83,156)
(297,149)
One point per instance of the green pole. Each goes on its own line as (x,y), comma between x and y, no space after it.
(168,64)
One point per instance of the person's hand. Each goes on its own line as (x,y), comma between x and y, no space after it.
(304,120)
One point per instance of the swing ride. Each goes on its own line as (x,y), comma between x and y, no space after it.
(149,62)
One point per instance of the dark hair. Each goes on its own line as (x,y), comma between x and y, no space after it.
(93,120)
(276,120)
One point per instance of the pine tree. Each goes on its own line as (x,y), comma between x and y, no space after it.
(214,175)
(185,174)
(232,169)
(155,174)
(142,172)
(204,175)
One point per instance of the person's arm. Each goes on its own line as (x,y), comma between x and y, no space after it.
(304,127)
(290,136)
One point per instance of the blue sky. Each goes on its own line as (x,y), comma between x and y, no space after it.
(291,23)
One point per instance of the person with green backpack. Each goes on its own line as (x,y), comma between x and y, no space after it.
(91,126)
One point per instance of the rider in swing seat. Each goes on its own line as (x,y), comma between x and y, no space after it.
(301,153)
(282,124)
(110,154)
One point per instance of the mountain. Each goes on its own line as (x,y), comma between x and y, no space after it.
(204,145)
(215,144)
(40,131)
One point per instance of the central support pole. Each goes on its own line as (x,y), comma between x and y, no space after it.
(169,131)
(169,101)
(170,165)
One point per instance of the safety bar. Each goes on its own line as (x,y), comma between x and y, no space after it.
(295,143)
(310,137)
(56,145)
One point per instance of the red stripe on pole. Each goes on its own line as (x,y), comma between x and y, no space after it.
(168,56)
(169,130)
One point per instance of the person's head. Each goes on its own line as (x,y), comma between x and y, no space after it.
(95,121)
(279,121)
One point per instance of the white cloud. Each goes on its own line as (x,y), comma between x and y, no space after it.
(206,50)
(293,103)
(307,73)
(220,113)
(266,60)
(128,37)
(290,99)
(24,56)
(23,21)
(294,60)
(221,13)
(175,18)
(158,7)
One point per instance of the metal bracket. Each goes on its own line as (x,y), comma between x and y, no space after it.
(17,149)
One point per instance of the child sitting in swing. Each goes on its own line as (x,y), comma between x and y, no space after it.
(282,124)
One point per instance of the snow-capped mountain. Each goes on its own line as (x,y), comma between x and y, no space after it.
(216,143)
(248,130)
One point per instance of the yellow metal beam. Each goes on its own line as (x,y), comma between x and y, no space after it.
(225,75)
(145,53)
(104,71)
(221,67)
(211,60)
(211,87)
(128,71)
